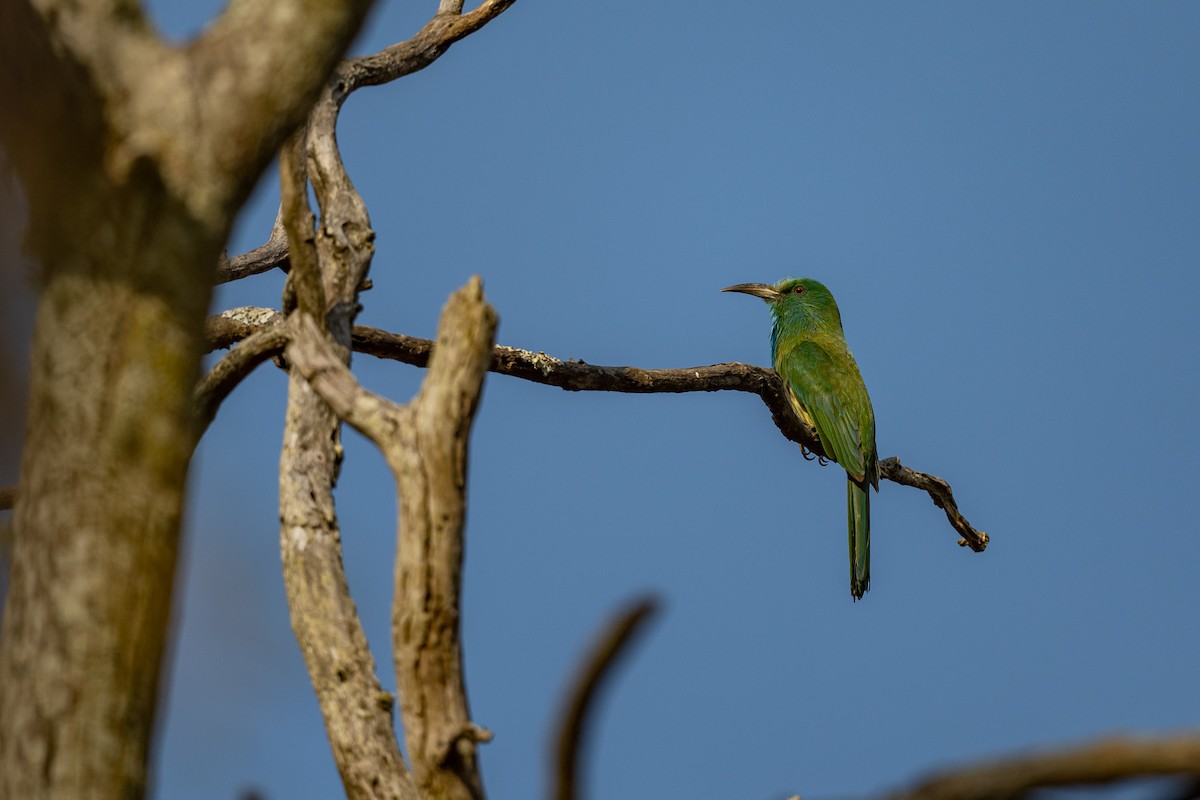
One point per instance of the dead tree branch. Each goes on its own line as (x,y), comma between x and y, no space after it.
(429,458)
(328,268)
(425,444)
(356,710)
(570,742)
(1103,762)
(422,49)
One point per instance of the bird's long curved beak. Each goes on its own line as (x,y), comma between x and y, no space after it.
(763,290)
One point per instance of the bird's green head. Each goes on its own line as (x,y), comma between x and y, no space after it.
(795,301)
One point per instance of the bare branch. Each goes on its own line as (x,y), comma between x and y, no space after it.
(356,710)
(576,375)
(429,457)
(1097,763)
(569,744)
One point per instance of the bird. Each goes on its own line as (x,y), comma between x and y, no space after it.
(826,390)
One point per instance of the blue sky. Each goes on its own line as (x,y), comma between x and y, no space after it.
(1004,198)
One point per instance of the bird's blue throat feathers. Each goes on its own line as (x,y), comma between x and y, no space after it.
(793,315)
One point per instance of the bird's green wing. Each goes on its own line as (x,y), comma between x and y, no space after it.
(831,391)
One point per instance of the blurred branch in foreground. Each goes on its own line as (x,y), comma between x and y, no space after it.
(1098,763)
(606,652)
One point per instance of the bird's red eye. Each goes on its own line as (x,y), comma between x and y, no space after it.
(799,289)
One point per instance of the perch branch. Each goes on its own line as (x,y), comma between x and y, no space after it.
(579,376)
(569,744)
(1102,762)
(425,444)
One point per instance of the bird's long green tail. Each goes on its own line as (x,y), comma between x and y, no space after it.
(858,503)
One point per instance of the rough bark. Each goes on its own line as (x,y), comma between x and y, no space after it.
(429,458)
(357,711)
(133,157)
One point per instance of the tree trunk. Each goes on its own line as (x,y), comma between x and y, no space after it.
(134,157)
(109,436)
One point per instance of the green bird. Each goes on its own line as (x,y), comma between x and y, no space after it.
(825,389)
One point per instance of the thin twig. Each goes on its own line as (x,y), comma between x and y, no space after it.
(941,494)
(267,256)
(227,373)
(418,51)
(570,742)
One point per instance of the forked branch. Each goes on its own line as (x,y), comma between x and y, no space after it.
(425,444)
